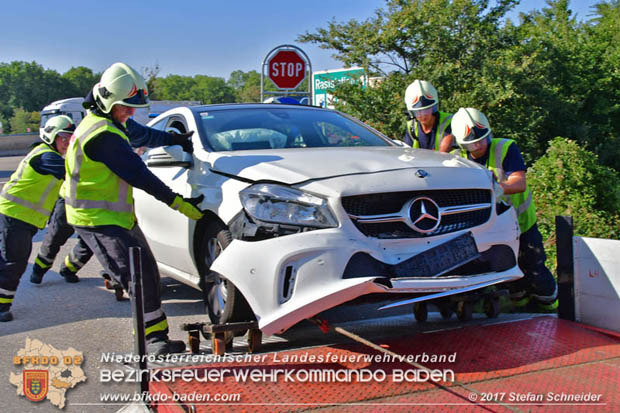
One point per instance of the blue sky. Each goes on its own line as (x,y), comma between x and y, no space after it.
(211,37)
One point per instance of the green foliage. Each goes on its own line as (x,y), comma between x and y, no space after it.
(247,85)
(549,75)
(568,180)
(23,121)
(29,86)
(150,76)
(375,105)
(4,125)
(200,87)
(82,80)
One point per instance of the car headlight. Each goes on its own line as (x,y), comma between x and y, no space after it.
(284,205)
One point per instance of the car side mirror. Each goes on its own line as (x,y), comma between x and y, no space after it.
(172,155)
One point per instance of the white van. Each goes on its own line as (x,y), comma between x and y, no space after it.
(72,107)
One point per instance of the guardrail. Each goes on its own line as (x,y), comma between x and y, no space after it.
(11,145)
(588,278)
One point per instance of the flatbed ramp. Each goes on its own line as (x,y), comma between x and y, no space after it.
(539,364)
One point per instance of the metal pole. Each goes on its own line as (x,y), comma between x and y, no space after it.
(137,307)
(308,69)
(565,267)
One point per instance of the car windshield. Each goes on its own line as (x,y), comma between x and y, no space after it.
(278,128)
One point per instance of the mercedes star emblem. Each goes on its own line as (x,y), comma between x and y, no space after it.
(424,215)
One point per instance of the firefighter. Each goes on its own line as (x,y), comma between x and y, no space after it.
(101,172)
(428,128)
(503,157)
(26,203)
(59,231)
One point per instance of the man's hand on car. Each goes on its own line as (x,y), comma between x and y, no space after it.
(184,140)
(188,206)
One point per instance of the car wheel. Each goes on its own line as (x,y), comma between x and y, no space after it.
(223,301)
(420,311)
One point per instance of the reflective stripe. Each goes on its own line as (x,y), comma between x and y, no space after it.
(38,207)
(161,326)
(27,204)
(444,124)
(70,265)
(526,204)
(40,263)
(153,315)
(120,205)
(6,300)
(22,166)
(499,147)
(6,292)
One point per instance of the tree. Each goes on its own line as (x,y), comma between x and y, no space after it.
(444,42)
(568,180)
(548,76)
(150,76)
(203,88)
(602,101)
(82,80)
(30,86)
(246,85)
(4,125)
(23,121)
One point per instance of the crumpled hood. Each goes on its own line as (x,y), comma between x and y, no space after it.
(291,166)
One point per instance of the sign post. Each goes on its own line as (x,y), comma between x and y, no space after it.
(287,67)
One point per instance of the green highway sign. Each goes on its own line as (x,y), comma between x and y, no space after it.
(323,83)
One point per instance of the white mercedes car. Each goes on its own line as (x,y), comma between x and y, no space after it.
(309,208)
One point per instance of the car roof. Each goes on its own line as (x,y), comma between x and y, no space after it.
(219,106)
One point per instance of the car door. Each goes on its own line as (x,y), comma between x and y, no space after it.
(168,231)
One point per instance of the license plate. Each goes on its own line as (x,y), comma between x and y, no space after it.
(440,259)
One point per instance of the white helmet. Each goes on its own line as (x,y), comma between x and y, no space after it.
(421,95)
(120,84)
(55,125)
(469,125)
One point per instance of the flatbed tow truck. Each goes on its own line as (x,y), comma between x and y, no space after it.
(515,362)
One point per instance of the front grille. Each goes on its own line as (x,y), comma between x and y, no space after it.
(392,203)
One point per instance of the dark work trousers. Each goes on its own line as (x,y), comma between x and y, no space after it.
(537,280)
(15,247)
(58,232)
(111,244)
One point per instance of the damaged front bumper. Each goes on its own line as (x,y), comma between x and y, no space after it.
(287,279)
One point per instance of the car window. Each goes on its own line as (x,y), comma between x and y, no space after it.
(177,124)
(160,125)
(280,128)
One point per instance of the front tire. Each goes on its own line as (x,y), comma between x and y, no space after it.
(224,303)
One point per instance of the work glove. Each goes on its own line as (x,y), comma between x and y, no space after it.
(188,206)
(184,140)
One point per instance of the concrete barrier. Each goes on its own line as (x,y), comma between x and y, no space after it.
(18,144)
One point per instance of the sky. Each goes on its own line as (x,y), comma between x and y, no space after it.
(209,37)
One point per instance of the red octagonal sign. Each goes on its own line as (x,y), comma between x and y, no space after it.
(286,69)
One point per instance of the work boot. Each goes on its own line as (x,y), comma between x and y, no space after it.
(37,275)
(38,272)
(6,316)
(162,347)
(548,308)
(69,275)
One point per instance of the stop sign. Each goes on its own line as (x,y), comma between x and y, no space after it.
(286,69)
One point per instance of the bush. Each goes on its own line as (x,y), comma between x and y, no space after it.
(568,180)
(23,121)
